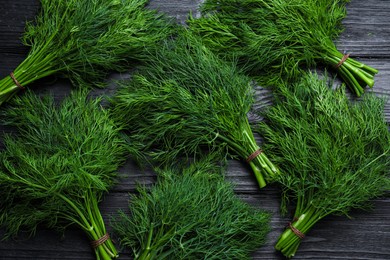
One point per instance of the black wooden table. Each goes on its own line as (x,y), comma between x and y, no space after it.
(364,236)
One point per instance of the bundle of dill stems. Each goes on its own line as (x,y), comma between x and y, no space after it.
(176,218)
(274,40)
(57,168)
(334,154)
(184,99)
(83,40)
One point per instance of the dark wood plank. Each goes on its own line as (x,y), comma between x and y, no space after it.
(367,29)
(177,9)
(14,15)
(365,236)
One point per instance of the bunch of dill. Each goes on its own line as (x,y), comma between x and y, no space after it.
(84,40)
(191,213)
(273,40)
(58,166)
(334,153)
(186,98)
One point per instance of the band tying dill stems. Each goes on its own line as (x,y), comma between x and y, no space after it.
(296,231)
(17,83)
(100,241)
(254,155)
(343,59)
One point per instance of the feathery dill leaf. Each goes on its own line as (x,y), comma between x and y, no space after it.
(56,170)
(334,153)
(191,213)
(84,40)
(185,98)
(273,40)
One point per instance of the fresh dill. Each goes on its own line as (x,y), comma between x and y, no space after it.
(274,40)
(185,99)
(191,213)
(83,40)
(59,165)
(334,154)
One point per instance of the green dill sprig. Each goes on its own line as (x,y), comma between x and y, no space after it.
(334,154)
(185,98)
(274,40)
(191,214)
(59,165)
(84,40)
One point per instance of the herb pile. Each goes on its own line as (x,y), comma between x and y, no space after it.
(191,213)
(188,103)
(56,170)
(185,98)
(84,40)
(273,40)
(334,154)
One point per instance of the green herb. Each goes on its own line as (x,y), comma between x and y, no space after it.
(191,214)
(186,98)
(84,40)
(57,168)
(274,39)
(334,154)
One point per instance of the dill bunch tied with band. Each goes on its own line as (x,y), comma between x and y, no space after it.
(274,40)
(185,99)
(83,40)
(57,168)
(191,213)
(334,154)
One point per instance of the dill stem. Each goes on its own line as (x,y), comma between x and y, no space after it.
(146,251)
(362,66)
(159,239)
(93,230)
(91,225)
(288,241)
(368,75)
(106,250)
(243,153)
(359,73)
(347,75)
(352,71)
(259,177)
(261,161)
(262,167)
(33,67)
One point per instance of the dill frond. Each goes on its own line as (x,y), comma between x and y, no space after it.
(191,213)
(274,40)
(56,170)
(334,154)
(84,40)
(185,99)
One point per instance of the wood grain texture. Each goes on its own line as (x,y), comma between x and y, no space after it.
(367,29)
(364,236)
